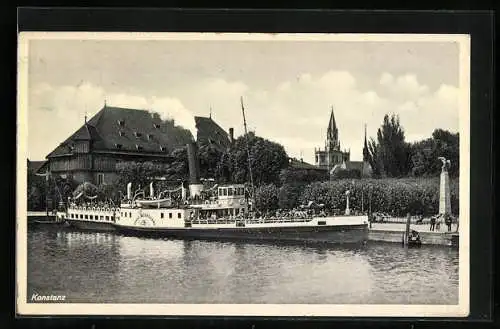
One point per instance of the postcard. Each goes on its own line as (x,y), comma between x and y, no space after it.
(243,174)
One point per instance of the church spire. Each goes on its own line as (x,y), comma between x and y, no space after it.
(332,133)
(332,125)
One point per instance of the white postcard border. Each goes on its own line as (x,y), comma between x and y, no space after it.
(295,310)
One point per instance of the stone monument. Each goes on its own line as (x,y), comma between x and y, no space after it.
(444,189)
(347,210)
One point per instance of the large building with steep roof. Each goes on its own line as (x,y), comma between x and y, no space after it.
(210,133)
(113,135)
(331,154)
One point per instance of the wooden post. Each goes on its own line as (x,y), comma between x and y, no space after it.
(407,230)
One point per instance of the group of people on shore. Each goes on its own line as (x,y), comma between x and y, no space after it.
(437,220)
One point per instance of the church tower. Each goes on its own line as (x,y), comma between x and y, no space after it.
(331,155)
(332,134)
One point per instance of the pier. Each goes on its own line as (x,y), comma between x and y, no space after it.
(33,215)
(393,232)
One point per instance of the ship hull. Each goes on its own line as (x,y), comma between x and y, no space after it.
(92,225)
(340,234)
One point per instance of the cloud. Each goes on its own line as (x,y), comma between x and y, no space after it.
(403,88)
(57,112)
(293,112)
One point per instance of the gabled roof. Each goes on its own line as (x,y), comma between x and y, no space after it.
(209,132)
(354,165)
(35,166)
(115,129)
(299,164)
(348,165)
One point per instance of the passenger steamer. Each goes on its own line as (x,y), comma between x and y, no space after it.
(91,215)
(221,212)
(228,214)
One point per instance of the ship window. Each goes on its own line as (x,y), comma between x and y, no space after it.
(179,215)
(169,215)
(161,215)
(230,191)
(107,217)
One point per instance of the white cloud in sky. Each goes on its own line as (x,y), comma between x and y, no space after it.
(57,112)
(294,112)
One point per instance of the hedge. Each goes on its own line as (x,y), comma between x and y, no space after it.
(395,197)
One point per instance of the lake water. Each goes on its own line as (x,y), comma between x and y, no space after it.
(110,268)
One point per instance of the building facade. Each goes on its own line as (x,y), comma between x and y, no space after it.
(210,133)
(361,169)
(114,135)
(331,155)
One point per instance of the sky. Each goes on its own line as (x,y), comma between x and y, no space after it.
(288,87)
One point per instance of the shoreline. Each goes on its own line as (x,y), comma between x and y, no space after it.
(392,232)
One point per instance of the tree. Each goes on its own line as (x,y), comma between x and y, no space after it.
(140,173)
(390,153)
(266,197)
(289,194)
(209,156)
(36,191)
(347,173)
(302,176)
(267,159)
(425,153)
(178,169)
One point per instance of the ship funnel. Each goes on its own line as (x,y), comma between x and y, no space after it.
(129,191)
(183,192)
(151,190)
(195,186)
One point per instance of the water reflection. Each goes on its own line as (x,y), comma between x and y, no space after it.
(105,267)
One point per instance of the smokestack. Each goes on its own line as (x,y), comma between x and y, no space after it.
(231,135)
(151,190)
(194,166)
(129,191)
(195,186)
(183,191)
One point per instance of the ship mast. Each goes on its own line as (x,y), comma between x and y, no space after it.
(248,148)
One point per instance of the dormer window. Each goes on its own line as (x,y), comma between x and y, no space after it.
(139,147)
(121,123)
(150,136)
(163,148)
(156,125)
(137,134)
(118,146)
(121,133)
